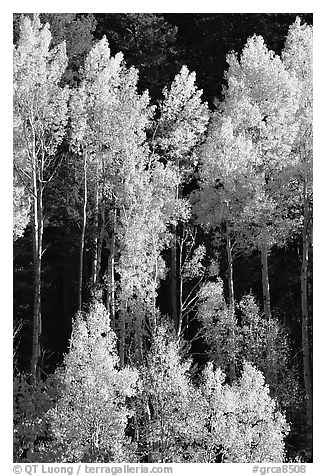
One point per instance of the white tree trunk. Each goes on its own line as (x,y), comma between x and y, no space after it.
(265,282)
(304,310)
(82,238)
(37,211)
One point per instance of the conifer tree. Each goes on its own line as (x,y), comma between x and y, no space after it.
(147,42)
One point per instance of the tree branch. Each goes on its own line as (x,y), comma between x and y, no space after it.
(19,171)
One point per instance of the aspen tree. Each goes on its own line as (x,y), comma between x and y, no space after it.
(180,128)
(297,57)
(261,100)
(40,117)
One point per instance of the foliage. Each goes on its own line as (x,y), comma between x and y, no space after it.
(245,426)
(171,411)
(40,118)
(143,236)
(75,29)
(40,104)
(262,100)
(226,180)
(89,420)
(31,403)
(108,124)
(297,57)
(245,335)
(205,39)
(40,114)
(183,118)
(220,329)
(21,209)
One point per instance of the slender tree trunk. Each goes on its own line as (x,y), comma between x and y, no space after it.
(304,308)
(100,243)
(270,373)
(82,238)
(233,349)
(37,264)
(173,279)
(153,297)
(230,265)
(231,298)
(96,226)
(150,445)
(272,369)
(180,301)
(122,342)
(265,282)
(180,308)
(139,340)
(110,298)
(173,267)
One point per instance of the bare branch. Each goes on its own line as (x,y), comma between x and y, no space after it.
(53,173)
(19,172)
(192,290)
